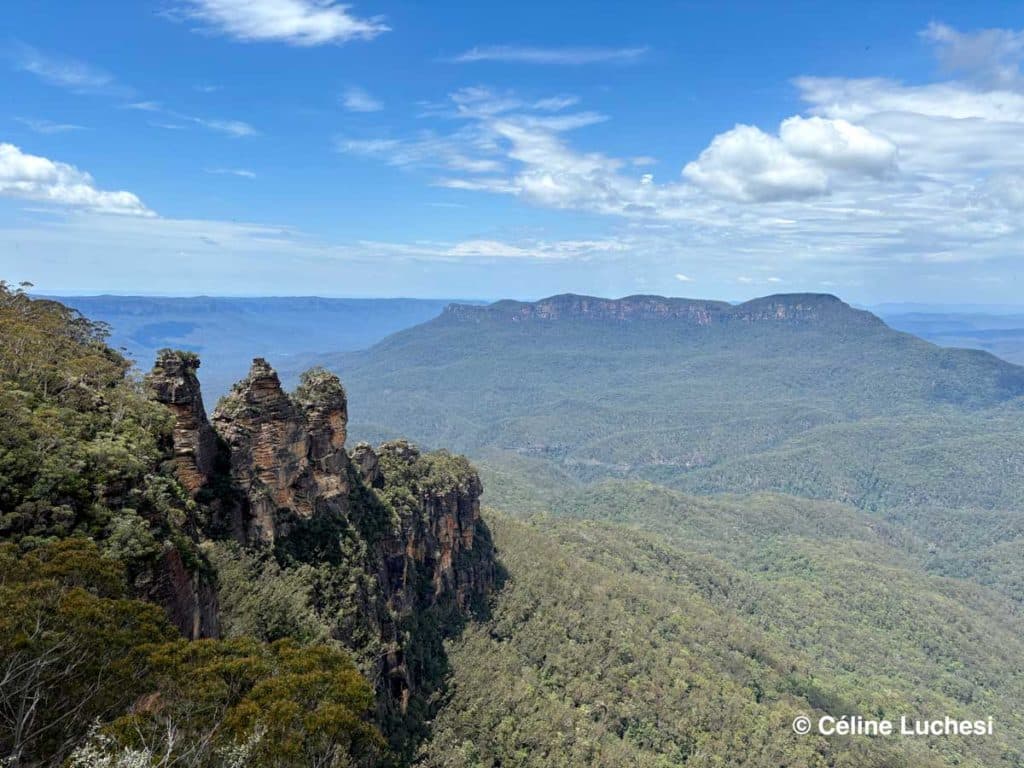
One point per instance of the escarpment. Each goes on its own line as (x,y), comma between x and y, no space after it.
(795,308)
(395,534)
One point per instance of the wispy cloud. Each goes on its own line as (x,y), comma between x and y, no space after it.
(48,126)
(295,22)
(65,72)
(355,99)
(683,278)
(479,146)
(145,106)
(32,177)
(570,55)
(484,251)
(234,128)
(241,172)
(990,56)
(874,171)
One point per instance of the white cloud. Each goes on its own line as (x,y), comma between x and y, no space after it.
(485,251)
(873,172)
(747,164)
(873,177)
(683,278)
(296,22)
(838,144)
(572,56)
(427,150)
(990,56)
(233,128)
(47,126)
(64,72)
(31,177)
(857,99)
(241,172)
(357,100)
(145,106)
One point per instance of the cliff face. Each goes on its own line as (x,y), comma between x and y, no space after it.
(406,523)
(794,308)
(174,383)
(439,528)
(287,455)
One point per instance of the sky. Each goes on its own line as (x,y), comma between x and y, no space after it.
(874,150)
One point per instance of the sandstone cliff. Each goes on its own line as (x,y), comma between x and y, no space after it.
(400,528)
(793,308)
(174,383)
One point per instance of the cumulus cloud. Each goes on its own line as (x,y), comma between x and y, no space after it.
(838,144)
(747,164)
(296,22)
(873,171)
(357,100)
(31,177)
(873,176)
(570,55)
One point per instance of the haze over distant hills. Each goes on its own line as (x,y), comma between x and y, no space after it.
(999,330)
(229,332)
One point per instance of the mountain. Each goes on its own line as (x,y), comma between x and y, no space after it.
(230,332)
(798,394)
(240,587)
(862,495)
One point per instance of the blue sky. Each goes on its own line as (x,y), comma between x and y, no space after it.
(718,149)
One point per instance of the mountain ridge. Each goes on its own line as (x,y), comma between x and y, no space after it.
(783,307)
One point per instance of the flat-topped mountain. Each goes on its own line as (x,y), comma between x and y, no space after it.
(794,393)
(795,307)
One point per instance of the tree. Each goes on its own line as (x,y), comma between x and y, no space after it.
(69,647)
(283,705)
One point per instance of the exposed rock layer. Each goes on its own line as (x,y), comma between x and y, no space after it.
(174,383)
(287,484)
(797,308)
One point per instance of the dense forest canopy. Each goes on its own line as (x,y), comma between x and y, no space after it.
(615,618)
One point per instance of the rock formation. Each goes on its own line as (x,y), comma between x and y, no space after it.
(287,454)
(406,521)
(174,383)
